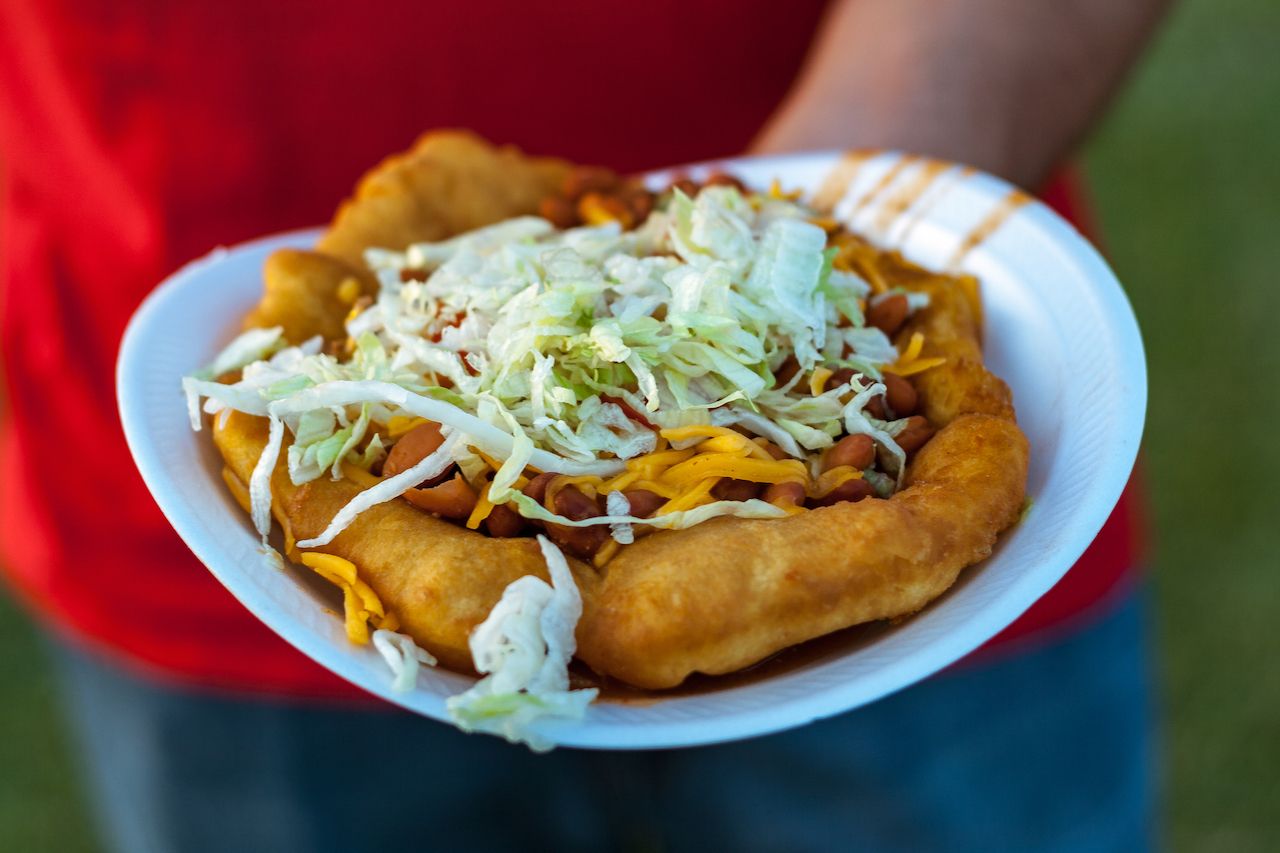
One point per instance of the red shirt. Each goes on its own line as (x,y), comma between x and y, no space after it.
(137,134)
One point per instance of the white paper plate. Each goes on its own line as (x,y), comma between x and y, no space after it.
(1059,331)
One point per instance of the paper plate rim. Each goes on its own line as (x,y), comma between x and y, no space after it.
(1125,343)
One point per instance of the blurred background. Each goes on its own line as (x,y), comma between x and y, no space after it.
(1187,188)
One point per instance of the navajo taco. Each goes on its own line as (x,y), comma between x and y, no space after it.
(522,412)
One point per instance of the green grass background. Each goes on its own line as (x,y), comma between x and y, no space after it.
(1187,179)
(1186,176)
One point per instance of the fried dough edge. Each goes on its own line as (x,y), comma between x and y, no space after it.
(711,599)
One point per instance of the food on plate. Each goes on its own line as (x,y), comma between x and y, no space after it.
(520,412)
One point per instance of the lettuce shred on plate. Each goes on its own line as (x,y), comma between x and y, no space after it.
(700,361)
(523,649)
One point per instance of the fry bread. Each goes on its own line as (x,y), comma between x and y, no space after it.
(449,182)
(713,598)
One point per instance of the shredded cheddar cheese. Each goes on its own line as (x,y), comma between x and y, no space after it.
(349,290)
(401,424)
(651,465)
(852,256)
(520,481)
(776,191)
(734,445)
(359,476)
(662,490)
(488,460)
(725,465)
(918,366)
(913,348)
(789,507)
(484,506)
(738,445)
(818,380)
(290,541)
(695,431)
(696,496)
(592,486)
(620,482)
(969,285)
(683,478)
(829,481)
(596,209)
(910,362)
(360,603)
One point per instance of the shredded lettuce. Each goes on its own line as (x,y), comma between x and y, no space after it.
(403,656)
(678,520)
(523,649)
(856,422)
(566,351)
(616,504)
(431,465)
(485,435)
(260,479)
(253,345)
(789,268)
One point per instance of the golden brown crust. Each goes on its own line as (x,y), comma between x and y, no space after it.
(301,293)
(730,592)
(450,181)
(439,579)
(963,384)
(711,599)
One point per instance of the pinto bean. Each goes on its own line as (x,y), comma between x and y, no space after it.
(582,542)
(627,409)
(559,211)
(914,436)
(503,522)
(537,487)
(877,409)
(774,450)
(724,179)
(574,505)
(411,448)
(644,503)
(888,314)
(736,490)
(640,201)
(587,179)
(785,371)
(900,394)
(856,451)
(686,185)
(784,494)
(454,499)
(851,491)
(835,380)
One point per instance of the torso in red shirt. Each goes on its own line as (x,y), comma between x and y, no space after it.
(137,134)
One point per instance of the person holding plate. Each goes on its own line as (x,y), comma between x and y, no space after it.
(134,136)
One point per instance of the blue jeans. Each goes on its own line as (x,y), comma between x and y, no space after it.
(1048,748)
